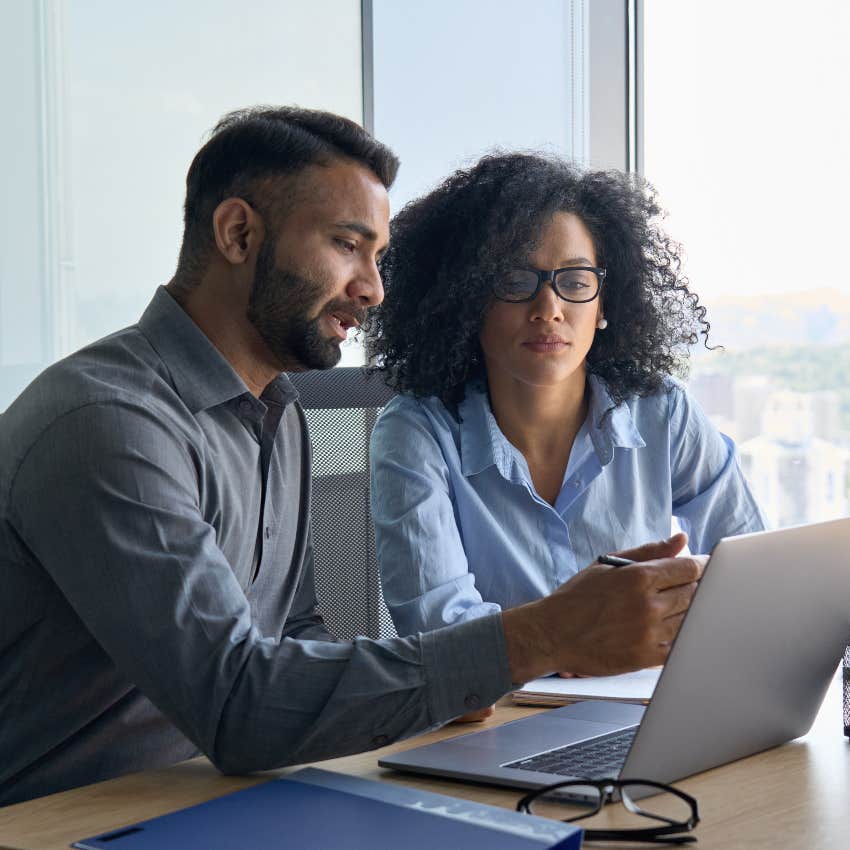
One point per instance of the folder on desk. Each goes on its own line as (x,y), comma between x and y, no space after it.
(334,811)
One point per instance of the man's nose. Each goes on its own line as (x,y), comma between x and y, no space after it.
(368,288)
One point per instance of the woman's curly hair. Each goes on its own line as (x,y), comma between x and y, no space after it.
(447,247)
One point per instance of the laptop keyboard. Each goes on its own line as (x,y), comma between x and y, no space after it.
(599,758)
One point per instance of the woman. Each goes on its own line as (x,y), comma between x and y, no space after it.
(533,319)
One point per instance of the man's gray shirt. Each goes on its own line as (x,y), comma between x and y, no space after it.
(156,583)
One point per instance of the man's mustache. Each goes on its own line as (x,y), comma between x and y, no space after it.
(357,313)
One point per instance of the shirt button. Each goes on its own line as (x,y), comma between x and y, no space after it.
(577,483)
(472,701)
(245,407)
(380,740)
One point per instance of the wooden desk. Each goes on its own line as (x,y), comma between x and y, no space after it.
(795,796)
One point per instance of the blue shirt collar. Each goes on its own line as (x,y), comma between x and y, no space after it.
(202,377)
(611,425)
(482,443)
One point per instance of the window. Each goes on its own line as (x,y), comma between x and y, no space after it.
(107,104)
(453,81)
(747,125)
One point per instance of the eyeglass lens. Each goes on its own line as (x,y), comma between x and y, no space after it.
(657,805)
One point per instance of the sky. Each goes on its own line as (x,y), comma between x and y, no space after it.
(747,109)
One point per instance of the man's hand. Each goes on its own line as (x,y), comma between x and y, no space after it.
(606,620)
(668,548)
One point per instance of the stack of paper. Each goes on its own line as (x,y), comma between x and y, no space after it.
(553,690)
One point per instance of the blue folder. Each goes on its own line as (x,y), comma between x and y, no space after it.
(332,811)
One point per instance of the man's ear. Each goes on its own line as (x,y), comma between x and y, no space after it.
(237,229)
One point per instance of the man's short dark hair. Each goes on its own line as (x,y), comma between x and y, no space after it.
(248,149)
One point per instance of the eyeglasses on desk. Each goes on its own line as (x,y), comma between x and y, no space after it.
(674,811)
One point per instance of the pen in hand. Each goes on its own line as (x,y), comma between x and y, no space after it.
(613,560)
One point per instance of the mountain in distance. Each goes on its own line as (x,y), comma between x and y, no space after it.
(799,341)
(819,317)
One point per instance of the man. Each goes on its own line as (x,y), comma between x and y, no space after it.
(155,551)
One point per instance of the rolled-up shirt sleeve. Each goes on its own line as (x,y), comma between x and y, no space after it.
(107,500)
(711,497)
(427,580)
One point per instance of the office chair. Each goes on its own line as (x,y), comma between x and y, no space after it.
(341,406)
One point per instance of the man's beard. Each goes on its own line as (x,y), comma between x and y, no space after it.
(279,308)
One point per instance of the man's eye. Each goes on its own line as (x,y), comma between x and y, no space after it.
(346,245)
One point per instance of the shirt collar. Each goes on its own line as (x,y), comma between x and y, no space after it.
(483,444)
(201,375)
(611,425)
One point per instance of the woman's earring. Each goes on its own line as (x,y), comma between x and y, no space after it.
(602,324)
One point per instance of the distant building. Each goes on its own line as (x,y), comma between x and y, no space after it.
(750,394)
(734,403)
(715,393)
(797,475)
(826,407)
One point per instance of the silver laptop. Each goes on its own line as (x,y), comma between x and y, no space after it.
(747,671)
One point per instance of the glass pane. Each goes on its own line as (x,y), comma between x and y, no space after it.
(455,80)
(747,127)
(110,103)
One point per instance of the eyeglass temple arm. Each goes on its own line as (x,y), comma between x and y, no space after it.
(656,837)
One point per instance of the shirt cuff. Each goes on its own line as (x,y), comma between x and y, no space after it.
(466,667)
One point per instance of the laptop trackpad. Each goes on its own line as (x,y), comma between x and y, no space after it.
(554,728)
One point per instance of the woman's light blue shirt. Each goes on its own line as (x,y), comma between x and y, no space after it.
(461,531)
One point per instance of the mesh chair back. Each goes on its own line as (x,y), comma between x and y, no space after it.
(341,406)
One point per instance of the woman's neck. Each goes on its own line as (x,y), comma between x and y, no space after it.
(541,421)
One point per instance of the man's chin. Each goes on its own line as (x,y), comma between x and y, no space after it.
(324,357)
(301,348)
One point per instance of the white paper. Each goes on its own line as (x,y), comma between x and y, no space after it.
(632,687)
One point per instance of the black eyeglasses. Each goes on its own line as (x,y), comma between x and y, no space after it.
(675,811)
(577,284)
